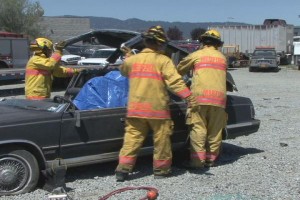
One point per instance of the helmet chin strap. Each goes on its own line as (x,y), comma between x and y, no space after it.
(47,52)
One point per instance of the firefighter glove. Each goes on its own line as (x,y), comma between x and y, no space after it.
(60,45)
(126,51)
(192,103)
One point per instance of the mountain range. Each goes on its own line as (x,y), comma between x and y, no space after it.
(135,24)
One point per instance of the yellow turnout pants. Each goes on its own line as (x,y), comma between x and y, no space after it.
(135,133)
(206,133)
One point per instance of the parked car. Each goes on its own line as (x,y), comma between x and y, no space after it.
(35,135)
(69,59)
(264,58)
(98,57)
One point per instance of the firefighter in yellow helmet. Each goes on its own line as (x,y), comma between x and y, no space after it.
(209,68)
(150,74)
(42,66)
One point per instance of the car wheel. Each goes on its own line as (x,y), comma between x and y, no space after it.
(19,172)
(250,69)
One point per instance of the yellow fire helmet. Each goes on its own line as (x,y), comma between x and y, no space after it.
(41,44)
(212,34)
(157,33)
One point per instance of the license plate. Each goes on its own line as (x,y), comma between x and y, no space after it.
(263,65)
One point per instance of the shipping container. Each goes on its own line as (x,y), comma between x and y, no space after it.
(247,37)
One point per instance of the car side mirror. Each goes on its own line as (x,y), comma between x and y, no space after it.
(230,84)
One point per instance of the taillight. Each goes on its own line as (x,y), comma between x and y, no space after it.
(252,111)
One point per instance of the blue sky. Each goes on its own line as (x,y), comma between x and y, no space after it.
(250,11)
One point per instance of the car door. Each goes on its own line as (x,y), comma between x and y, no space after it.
(92,135)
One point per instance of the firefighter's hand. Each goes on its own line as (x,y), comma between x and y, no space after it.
(60,45)
(80,70)
(192,103)
(126,51)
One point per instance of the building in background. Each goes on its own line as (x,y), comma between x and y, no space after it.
(61,28)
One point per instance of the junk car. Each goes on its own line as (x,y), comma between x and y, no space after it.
(37,135)
(264,58)
(69,59)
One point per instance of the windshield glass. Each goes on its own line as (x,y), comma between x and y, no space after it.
(65,52)
(102,53)
(45,105)
(264,53)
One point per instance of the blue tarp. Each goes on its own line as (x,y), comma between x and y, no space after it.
(108,91)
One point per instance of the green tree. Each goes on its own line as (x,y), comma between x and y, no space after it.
(21,16)
(174,33)
(195,33)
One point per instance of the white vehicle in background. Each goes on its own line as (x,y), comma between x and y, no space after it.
(69,59)
(99,57)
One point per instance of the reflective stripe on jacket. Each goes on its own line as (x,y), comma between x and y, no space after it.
(39,75)
(209,75)
(151,74)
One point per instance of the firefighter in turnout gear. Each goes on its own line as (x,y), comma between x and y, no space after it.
(42,66)
(150,74)
(209,88)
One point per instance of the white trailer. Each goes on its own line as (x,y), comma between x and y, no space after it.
(296,45)
(247,37)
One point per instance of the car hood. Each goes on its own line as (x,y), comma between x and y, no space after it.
(14,116)
(14,111)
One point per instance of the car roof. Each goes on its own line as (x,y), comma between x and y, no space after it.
(109,37)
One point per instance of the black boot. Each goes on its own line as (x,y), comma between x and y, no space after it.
(121,176)
(161,176)
(187,165)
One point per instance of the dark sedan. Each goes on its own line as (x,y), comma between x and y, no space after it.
(36,135)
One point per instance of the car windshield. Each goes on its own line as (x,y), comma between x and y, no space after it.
(102,53)
(66,52)
(264,53)
(45,105)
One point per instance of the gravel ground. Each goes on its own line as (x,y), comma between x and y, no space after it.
(264,165)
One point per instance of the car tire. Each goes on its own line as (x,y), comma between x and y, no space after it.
(251,69)
(19,172)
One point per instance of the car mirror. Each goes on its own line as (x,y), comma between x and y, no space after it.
(230,84)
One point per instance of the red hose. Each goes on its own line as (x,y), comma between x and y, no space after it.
(152,193)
